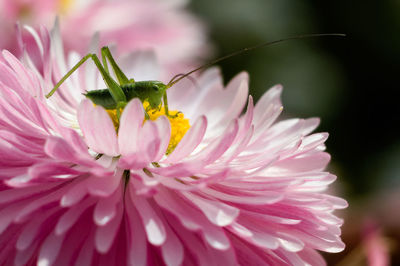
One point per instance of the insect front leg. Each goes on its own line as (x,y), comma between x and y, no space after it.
(120,106)
(165,100)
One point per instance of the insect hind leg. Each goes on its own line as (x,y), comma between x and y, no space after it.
(115,90)
(165,100)
(69,73)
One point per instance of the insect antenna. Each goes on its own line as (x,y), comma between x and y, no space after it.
(179,77)
(187,76)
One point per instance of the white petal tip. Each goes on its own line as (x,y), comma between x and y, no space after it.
(43,262)
(335,249)
(103,221)
(219,245)
(224,219)
(156,235)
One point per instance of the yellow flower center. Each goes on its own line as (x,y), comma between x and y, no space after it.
(179,124)
(113,114)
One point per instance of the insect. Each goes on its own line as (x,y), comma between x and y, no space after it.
(119,93)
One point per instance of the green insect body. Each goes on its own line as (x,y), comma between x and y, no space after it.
(150,91)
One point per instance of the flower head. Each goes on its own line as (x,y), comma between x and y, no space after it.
(234,190)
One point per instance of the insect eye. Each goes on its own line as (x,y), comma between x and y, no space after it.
(155,87)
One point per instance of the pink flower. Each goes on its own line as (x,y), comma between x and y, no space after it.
(236,189)
(164,26)
(376,247)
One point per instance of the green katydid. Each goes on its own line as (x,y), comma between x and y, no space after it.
(118,94)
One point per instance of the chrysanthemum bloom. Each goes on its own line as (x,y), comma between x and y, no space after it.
(165,26)
(207,186)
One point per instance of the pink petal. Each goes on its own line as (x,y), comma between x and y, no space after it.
(217,212)
(104,186)
(149,141)
(190,141)
(32,230)
(215,150)
(137,247)
(102,139)
(18,68)
(269,99)
(106,209)
(216,237)
(239,89)
(106,234)
(164,133)
(68,219)
(309,162)
(75,194)
(172,250)
(153,225)
(131,122)
(86,253)
(50,249)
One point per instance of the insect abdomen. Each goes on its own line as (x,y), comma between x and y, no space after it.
(102,98)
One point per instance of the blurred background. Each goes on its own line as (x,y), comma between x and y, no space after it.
(351,83)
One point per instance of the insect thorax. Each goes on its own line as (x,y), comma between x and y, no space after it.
(151,91)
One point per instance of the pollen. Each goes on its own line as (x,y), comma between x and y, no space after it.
(179,124)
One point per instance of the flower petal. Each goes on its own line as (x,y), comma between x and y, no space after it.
(106,234)
(98,129)
(190,141)
(218,213)
(131,121)
(153,225)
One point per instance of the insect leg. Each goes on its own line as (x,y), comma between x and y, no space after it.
(115,90)
(120,105)
(165,100)
(106,54)
(104,60)
(68,74)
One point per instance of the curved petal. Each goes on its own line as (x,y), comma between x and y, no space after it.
(164,133)
(98,129)
(153,225)
(190,141)
(106,234)
(131,121)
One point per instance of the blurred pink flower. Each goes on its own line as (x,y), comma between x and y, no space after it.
(164,26)
(236,190)
(375,246)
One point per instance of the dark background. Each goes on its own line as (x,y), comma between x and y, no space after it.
(351,83)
